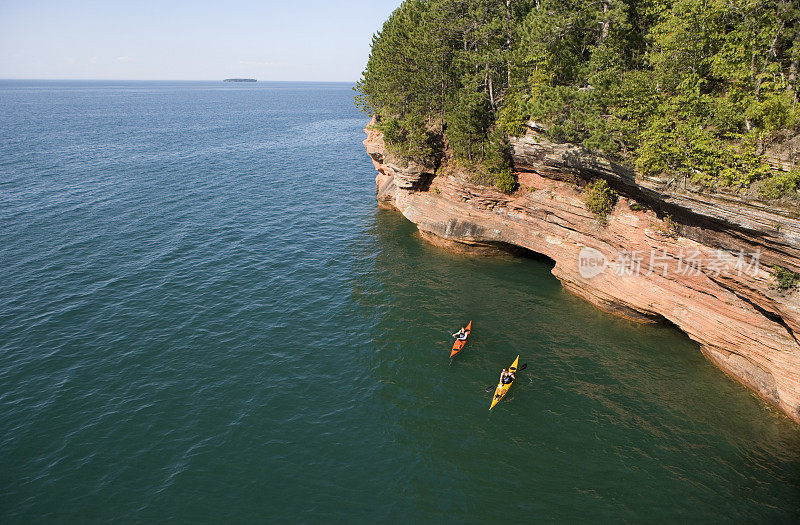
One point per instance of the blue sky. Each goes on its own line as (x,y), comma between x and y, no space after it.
(188,40)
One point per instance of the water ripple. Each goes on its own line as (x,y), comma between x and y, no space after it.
(204,318)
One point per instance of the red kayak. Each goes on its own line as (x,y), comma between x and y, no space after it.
(459,344)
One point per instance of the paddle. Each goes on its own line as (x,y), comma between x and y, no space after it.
(520,369)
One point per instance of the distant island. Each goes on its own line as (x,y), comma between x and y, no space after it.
(240,80)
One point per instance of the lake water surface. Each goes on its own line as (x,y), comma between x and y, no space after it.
(204,317)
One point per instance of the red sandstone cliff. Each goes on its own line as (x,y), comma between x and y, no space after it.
(706,270)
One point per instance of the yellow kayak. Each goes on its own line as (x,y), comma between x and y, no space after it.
(502,389)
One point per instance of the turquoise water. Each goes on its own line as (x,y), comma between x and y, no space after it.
(204,317)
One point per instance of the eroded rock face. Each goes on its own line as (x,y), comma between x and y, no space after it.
(404,175)
(706,272)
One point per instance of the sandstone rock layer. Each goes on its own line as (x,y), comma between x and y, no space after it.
(701,262)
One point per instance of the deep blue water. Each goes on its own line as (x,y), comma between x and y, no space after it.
(204,317)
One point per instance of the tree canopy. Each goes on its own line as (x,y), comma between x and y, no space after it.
(684,87)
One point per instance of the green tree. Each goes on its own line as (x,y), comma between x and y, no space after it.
(688,88)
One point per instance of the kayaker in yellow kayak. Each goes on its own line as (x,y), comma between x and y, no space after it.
(507,377)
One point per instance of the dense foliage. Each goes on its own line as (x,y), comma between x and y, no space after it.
(785,278)
(685,87)
(600,199)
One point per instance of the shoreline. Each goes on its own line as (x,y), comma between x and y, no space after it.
(698,262)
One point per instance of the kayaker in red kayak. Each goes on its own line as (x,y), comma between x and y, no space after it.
(461,335)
